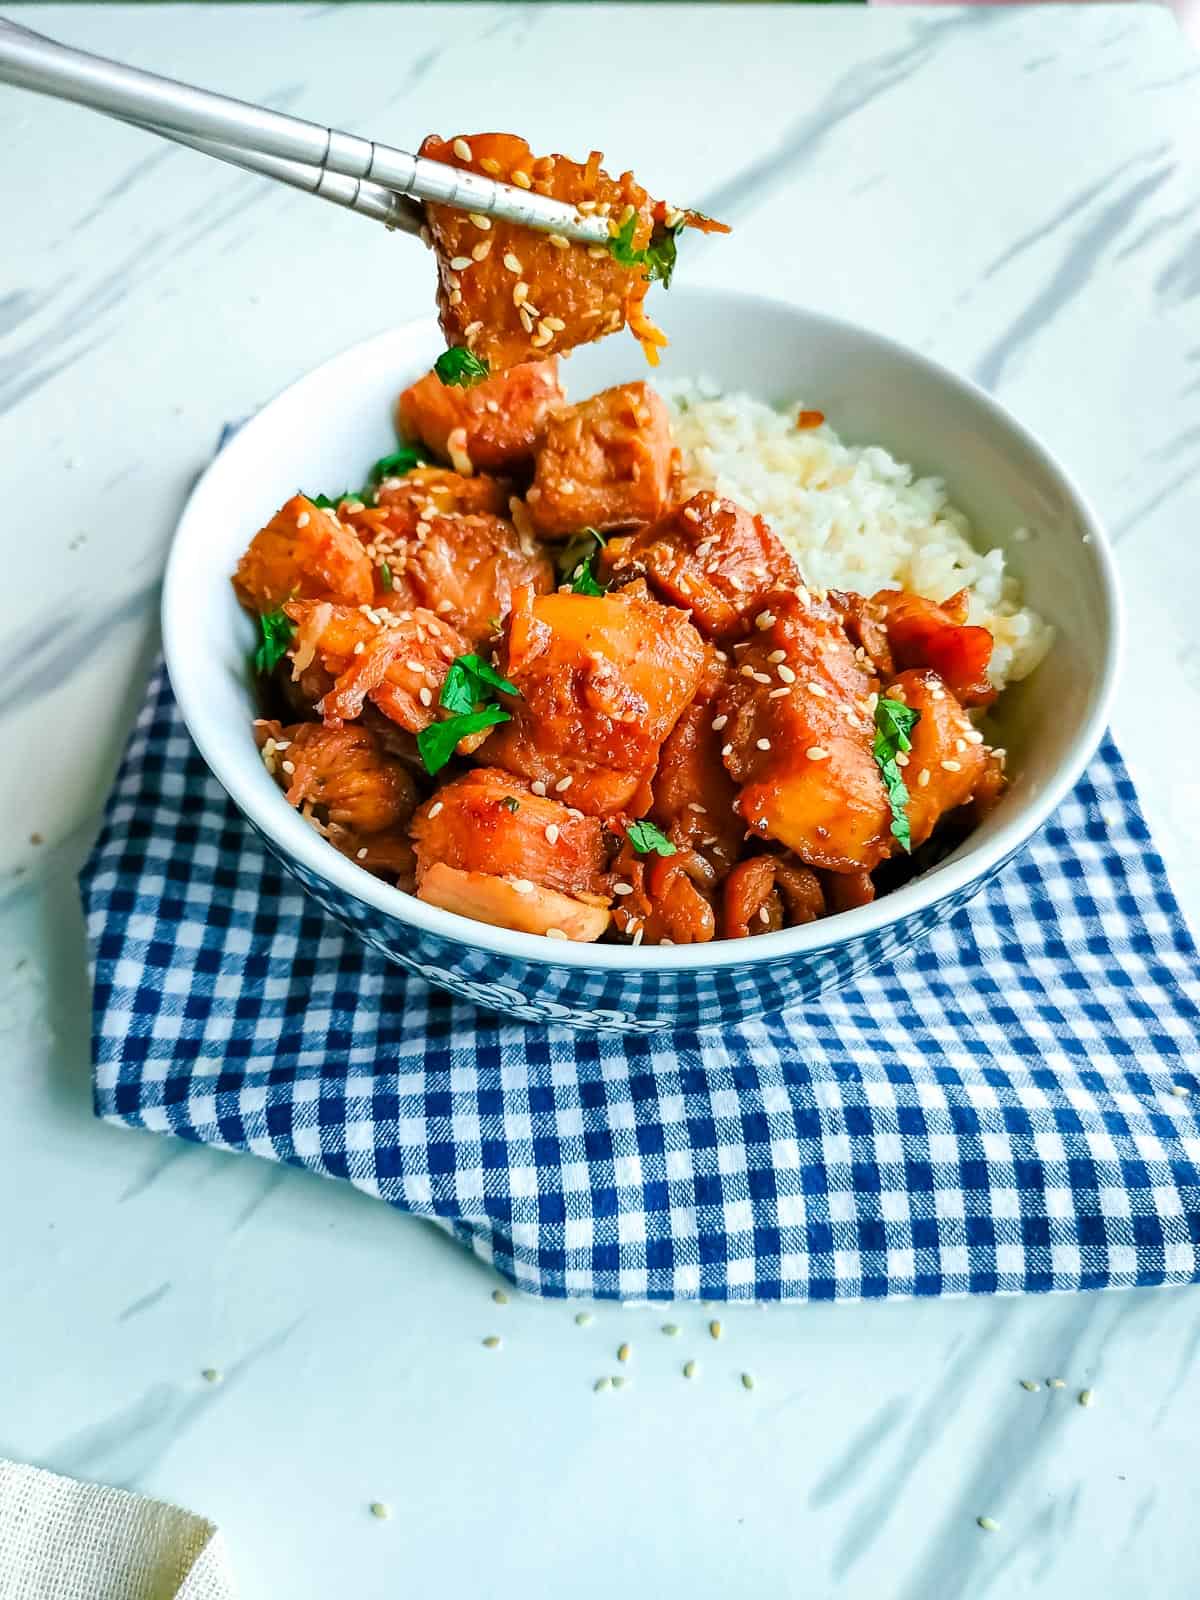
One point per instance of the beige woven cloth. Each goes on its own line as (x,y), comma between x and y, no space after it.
(62,1540)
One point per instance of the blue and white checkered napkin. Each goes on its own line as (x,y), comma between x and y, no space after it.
(1000,1110)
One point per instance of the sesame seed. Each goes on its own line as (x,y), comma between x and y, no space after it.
(563,784)
(764,916)
(557,240)
(490,166)
(596,251)
(461,263)
(622,888)
(482,223)
(584,1319)
(988,1524)
(726,749)
(380,1509)
(690,1369)
(492,1342)
(539,788)
(671,1329)
(1031,1385)
(288,766)
(479,251)
(542,338)
(923,778)
(499,1296)
(951,766)
(522,885)
(415,666)
(425,696)
(212,1375)
(760,677)
(511,262)
(747,1381)
(555,933)
(302,520)
(718,723)
(786,674)
(1180,1091)
(1086,1397)
(694,805)
(601,1384)
(624,1352)
(438,805)
(359,648)
(1056,1383)
(691,514)
(776,694)
(552,833)
(461,149)
(765,619)
(817,689)
(522,179)
(776,657)
(526,320)
(765,744)
(715,1329)
(556,325)
(639,935)
(901,759)
(361,855)
(817,752)
(960,745)
(974,737)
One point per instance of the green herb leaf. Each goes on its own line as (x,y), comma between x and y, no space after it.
(645,837)
(581,573)
(398,463)
(659,255)
(275,632)
(511,803)
(438,742)
(894,721)
(470,681)
(324,503)
(385,575)
(460,368)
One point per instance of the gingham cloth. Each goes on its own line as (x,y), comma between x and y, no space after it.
(998,1111)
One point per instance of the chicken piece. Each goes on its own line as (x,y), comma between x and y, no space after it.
(865,625)
(303,553)
(602,680)
(508,293)
(767,893)
(709,556)
(799,738)
(495,426)
(487,847)
(388,855)
(341,773)
(922,634)
(605,463)
(397,660)
(440,490)
(845,891)
(693,793)
(948,761)
(664,899)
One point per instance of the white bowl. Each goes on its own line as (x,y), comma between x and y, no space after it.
(323,432)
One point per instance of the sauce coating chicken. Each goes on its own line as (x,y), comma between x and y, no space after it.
(603,464)
(680,742)
(496,426)
(601,680)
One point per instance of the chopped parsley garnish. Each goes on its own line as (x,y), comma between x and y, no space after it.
(658,257)
(275,632)
(438,742)
(511,803)
(398,463)
(894,722)
(385,575)
(471,681)
(324,503)
(645,837)
(460,368)
(583,575)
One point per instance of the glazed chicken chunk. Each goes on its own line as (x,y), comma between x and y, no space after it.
(496,426)
(304,553)
(489,848)
(603,464)
(693,793)
(922,634)
(601,682)
(708,556)
(949,761)
(799,738)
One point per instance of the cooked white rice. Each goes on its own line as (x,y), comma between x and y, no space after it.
(852,516)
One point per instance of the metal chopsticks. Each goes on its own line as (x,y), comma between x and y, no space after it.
(289,149)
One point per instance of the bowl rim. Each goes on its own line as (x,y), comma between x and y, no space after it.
(293,838)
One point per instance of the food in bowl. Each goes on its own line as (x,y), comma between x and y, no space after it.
(508,295)
(661,668)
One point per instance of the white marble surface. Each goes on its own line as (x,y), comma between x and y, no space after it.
(1015,192)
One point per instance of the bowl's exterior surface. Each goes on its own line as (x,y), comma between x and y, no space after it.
(612,1000)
